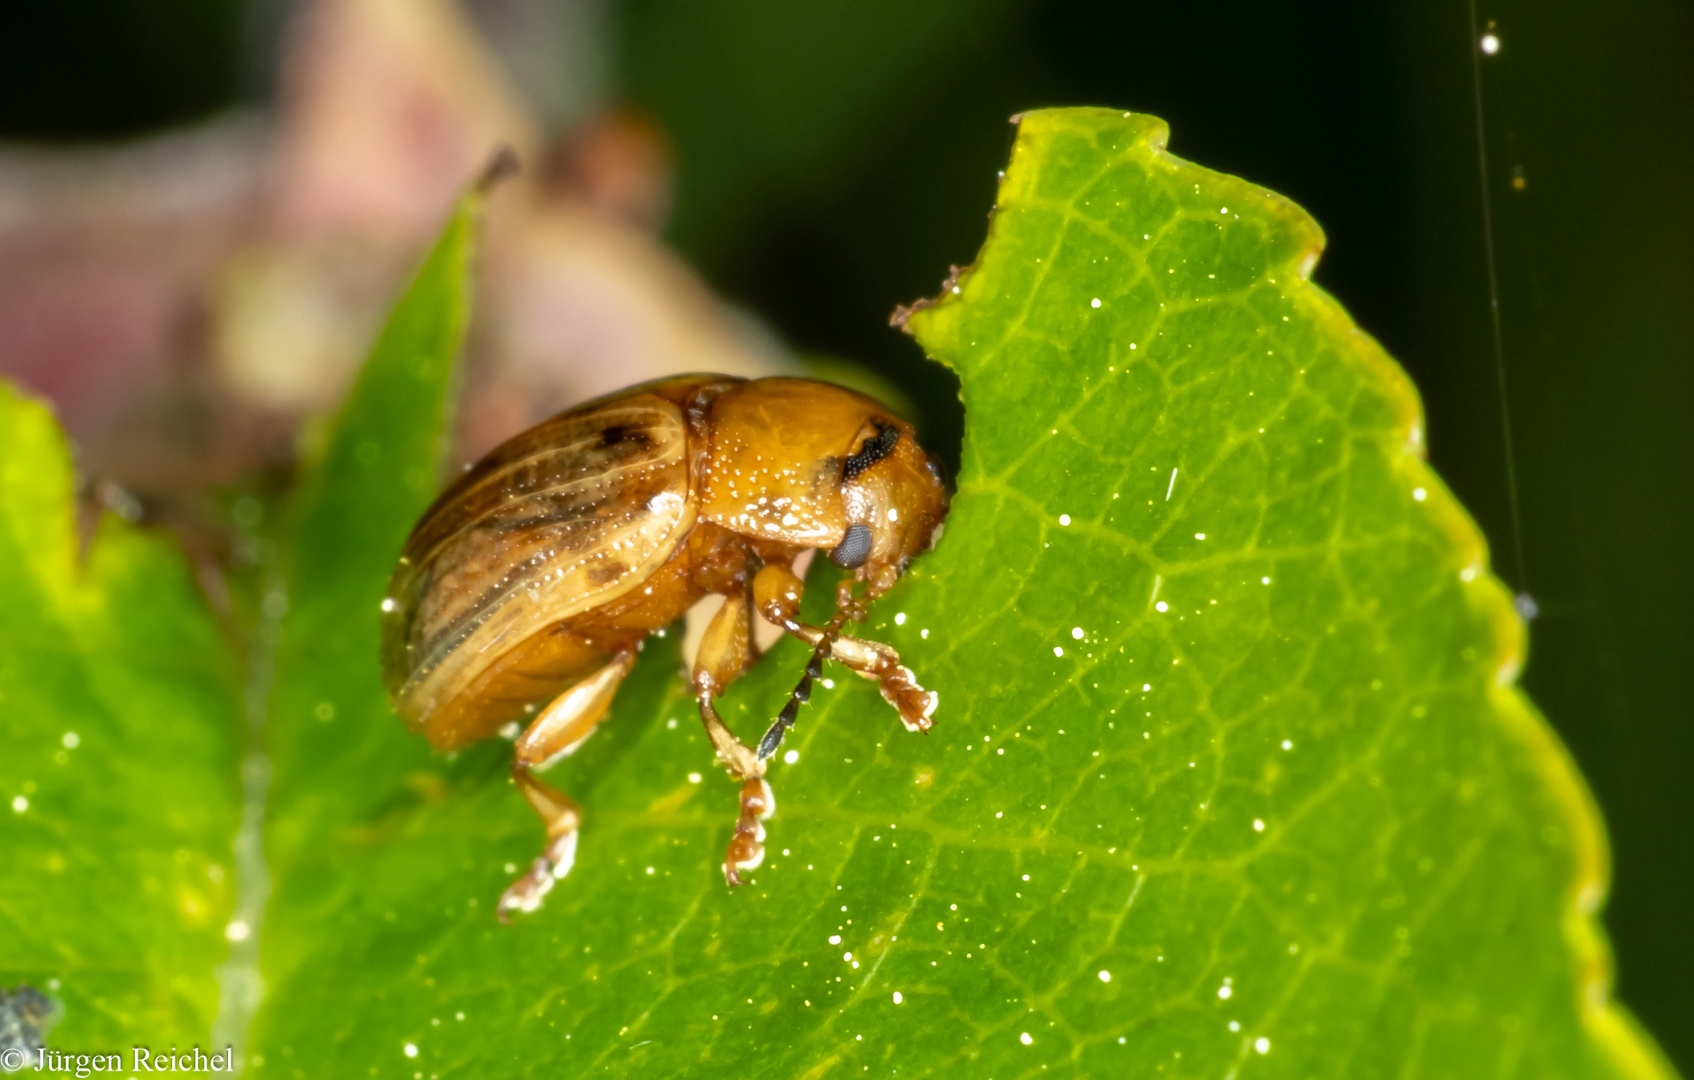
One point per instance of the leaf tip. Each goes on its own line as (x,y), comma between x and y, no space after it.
(502,164)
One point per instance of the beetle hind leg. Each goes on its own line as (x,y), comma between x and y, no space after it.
(554,734)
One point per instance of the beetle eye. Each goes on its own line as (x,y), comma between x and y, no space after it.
(854,548)
(873,450)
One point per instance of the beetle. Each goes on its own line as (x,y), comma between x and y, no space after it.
(526,588)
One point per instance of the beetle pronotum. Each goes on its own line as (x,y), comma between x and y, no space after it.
(525,589)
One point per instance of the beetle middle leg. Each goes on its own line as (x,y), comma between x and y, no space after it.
(776,593)
(723,656)
(560,729)
(724,652)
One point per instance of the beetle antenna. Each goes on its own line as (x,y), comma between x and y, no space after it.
(803,690)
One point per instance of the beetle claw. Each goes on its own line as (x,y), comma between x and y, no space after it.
(915,704)
(525,894)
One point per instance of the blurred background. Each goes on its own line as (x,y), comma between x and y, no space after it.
(206,205)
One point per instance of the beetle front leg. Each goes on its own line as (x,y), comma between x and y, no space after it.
(776,593)
(554,734)
(880,663)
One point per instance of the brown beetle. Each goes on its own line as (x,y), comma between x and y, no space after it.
(526,588)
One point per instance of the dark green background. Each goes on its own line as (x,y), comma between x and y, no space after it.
(835,156)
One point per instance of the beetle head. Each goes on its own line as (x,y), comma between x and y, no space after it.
(815,465)
(894,500)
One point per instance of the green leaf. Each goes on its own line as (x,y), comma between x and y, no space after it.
(335,754)
(121,727)
(1229,777)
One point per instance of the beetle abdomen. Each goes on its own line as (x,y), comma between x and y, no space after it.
(565,517)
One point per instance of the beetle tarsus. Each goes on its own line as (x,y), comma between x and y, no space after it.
(914,704)
(747,847)
(550,867)
(563,819)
